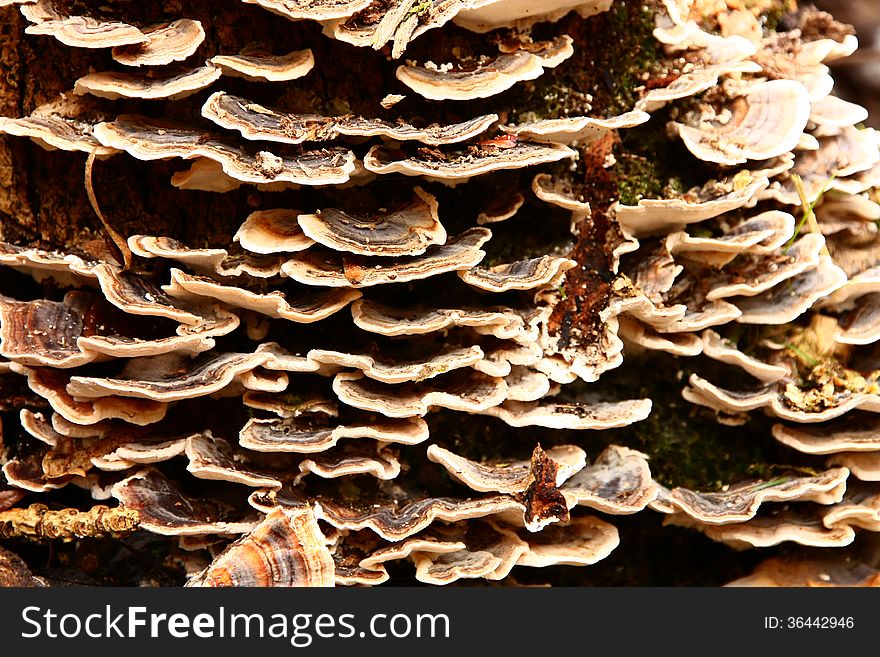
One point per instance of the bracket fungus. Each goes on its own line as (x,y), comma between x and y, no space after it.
(481,79)
(368,291)
(256,66)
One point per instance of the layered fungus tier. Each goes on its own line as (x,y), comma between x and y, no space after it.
(485,292)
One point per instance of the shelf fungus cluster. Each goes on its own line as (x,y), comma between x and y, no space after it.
(349,292)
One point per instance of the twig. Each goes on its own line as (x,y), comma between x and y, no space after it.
(122,254)
(809,216)
(37,522)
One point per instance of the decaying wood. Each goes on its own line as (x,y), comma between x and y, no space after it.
(38,522)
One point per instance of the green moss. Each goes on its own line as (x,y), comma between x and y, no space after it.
(614,52)
(637,178)
(635,53)
(773,15)
(651,165)
(684,442)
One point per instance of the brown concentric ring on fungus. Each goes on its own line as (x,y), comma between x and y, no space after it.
(375,461)
(717,348)
(26,473)
(655,272)
(38,261)
(354,575)
(214,458)
(798,526)
(404,231)
(579,542)
(460,166)
(471,392)
(166,43)
(264,67)
(308,306)
(332,269)
(658,215)
(572,415)
(784,303)
(769,271)
(138,295)
(272,231)
(761,234)
(740,502)
(391,370)
(426,543)
(788,572)
(51,385)
(512,477)
(684,86)
(702,315)
(45,332)
(384,320)
(78,31)
(489,78)
(763,123)
(147,246)
(256,122)
(169,377)
(618,482)
(285,406)
(304,435)
(491,552)
(852,435)
(501,209)
(246,264)
(165,509)
(634,332)
(395,522)
(316,10)
(143,453)
(38,426)
(286,549)
(486,15)
(65,123)
(118,346)
(580,129)
(555,191)
(521,275)
(152,139)
(170,85)
(434,134)
(838,157)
